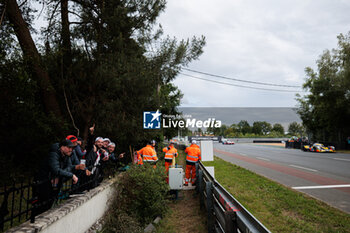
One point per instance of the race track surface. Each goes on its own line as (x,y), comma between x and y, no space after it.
(323,176)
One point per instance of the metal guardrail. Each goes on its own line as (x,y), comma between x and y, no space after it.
(225,213)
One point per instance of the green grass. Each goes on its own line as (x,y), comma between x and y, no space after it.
(279,208)
(343,151)
(185,214)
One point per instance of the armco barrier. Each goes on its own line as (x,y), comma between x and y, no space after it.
(225,213)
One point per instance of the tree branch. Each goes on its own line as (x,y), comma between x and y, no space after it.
(79,23)
(3,13)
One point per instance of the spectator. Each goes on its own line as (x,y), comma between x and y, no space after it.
(78,149)
(106,142)
(94,155)
(56,168)
(111,154)
(74,157)
(80,169)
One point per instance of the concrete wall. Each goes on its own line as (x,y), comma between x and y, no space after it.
(75,215)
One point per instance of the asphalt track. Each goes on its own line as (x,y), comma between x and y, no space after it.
(320,175)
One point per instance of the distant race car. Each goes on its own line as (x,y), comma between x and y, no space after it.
(318,147)
(227,142)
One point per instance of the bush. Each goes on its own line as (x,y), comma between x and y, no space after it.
(141,197)
(118,220)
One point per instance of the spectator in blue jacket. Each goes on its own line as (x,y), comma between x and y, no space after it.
(111,154)
(56,168)
(78,150)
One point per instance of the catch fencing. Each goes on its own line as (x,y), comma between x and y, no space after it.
(225,214)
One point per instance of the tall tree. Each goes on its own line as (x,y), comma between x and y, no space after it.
(33,57)
(106,60)
(326,109)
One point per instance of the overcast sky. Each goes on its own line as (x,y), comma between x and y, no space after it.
(268,41)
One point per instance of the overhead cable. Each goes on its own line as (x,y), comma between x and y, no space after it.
(236,85)
(238,80)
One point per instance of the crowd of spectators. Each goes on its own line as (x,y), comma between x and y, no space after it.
(67,160)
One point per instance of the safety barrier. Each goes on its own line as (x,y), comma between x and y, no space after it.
(267,141)
(225,213)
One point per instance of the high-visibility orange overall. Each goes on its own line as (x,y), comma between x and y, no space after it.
(170,154)
(147,155)
(193,155)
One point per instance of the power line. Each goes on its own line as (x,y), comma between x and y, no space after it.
(236,85)
(239,80)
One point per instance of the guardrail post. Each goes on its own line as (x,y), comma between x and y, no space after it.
(230,222)
(197,177)
(210,207)
(200,187)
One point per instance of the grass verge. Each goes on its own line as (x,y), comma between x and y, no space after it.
(343,151)
(279,208)
(185,214)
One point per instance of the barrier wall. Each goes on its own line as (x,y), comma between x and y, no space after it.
(75,215)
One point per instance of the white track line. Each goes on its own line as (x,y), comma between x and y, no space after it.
(323,186)
(342,159)
(243,154)
(263,159)
(305,168)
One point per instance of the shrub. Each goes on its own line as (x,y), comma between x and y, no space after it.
(118,220)
(141,197)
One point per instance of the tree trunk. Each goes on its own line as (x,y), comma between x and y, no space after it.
(87,126)
(31,54)
(66,43)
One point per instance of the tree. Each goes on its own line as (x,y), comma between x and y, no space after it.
(326,109)
(214,130)
(278,128)
(295,129)
(261,127)
(257,128)
(106,65)
(32,56)
(244,127)
(266,127)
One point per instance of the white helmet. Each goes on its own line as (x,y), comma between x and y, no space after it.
(193,142)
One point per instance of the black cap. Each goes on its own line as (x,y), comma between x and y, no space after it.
(67,143)
(80,139)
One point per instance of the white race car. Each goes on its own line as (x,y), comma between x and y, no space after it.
(227,142)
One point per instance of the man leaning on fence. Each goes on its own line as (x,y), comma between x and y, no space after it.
(56,168)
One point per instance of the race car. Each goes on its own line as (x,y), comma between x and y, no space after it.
(318,147)
(227,142)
